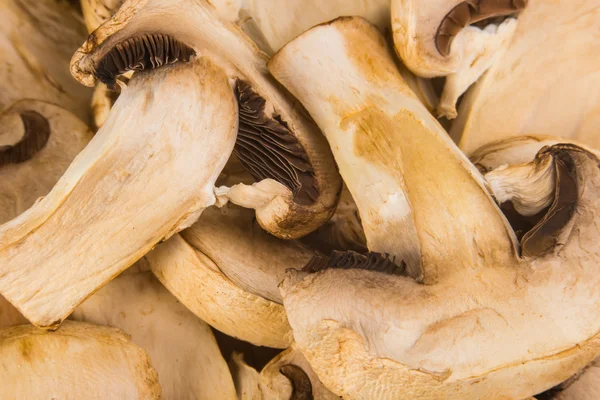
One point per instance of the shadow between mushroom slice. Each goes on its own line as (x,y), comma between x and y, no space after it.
(112,206)
(474,329)
(287,377)
(181,347)
(299,185)
(37,39)
(226,270)
(76,361)
(529,90)
(451,38)
(585,385)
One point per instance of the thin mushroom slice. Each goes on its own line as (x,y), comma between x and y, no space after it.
(77,361)
(473,331)
(529,90)
(444,38)
(298,185)
(286,377)
(204,289)
(111,205)
(181,347)
(377,130)
(37,39)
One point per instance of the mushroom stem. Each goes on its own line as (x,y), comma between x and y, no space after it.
(171,125)
(412,202)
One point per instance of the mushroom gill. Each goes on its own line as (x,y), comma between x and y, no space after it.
(471,330)
(35,137)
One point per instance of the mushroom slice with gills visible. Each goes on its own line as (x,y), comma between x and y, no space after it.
(473,330)
(37,39)
(287,377)
(529,90)
(172,127)
(280,146)
(38,141)
(456,39)
(79,360)
(226,270)
(181,347)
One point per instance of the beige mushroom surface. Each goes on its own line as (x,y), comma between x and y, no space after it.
(585,385)
(181,347)
(472,329)
(457,39)
(77,361)
(37,40)
(547,81)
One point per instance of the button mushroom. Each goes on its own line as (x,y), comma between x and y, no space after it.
(529,90)
(475,328)
(226,270)
(79,360)
(457,39)
(181,347)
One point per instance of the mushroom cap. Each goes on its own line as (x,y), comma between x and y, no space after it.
(37,39)
(79,360)
(529,90)
(181,347)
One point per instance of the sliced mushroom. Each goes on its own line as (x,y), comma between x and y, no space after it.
(37,39)
(111,206)
(448,38)
(377,130)
(226,270)
(529,90)
(287,377)
(97,12)
(181,347)
(473,330)
(79,360)
(299,185)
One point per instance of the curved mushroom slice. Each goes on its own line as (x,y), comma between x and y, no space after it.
(97,12)
(287,377)
(408,199)
(530,90)
(299,185)
(476,329)
(37,39)
(200,285)
(79,360)
(585,385)
(174,126)
(181,347)
(451,38)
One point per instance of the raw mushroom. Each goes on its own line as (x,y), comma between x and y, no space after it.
(77,361)
(457,39)
(287,377)
(226,270)
(585,385)
(37,39)
(38,141)
(181,347)
(530,89)
(298,184)
(472,331)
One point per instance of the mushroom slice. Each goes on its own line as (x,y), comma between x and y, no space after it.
(475,328)
(446,38)
(298,186)
(227,270)
(287,377)
(79,360)
(37,39)
(176,126)
(182,347)
(377,130)
(97,12)
(529,90)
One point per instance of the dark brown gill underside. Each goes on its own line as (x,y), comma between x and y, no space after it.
(37,133)
(140,53)
(370,261)
(471,12)
(301,386)
(267,149)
